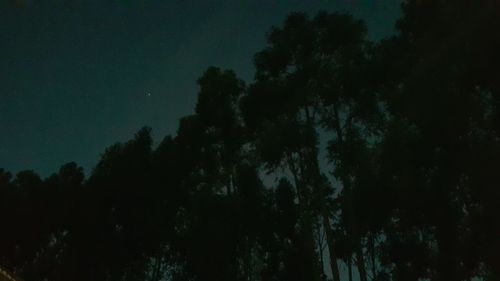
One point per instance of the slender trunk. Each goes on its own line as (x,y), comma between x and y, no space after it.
(372,255)
(306,216)
(158,262)
(156,270)
(298,186)
(331,248)
(349,267)
(354,233)
(321,255)
(360,263)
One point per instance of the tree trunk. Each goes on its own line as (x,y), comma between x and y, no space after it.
(157,268)
(349,267)
(331,248)
(372,255)
(360,263)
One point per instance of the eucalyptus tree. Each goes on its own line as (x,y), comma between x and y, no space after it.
(222,218)
(278,112)
(311,76)
(350,110)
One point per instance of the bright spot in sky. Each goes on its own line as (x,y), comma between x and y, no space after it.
(148,94)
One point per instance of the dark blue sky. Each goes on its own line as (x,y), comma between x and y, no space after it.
(75,75)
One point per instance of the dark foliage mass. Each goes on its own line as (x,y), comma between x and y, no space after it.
(410,126)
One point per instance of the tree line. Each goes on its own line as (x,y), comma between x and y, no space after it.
(410,126)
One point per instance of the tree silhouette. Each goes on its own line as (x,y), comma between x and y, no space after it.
(240,192)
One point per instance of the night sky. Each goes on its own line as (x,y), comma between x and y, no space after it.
(77,76)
